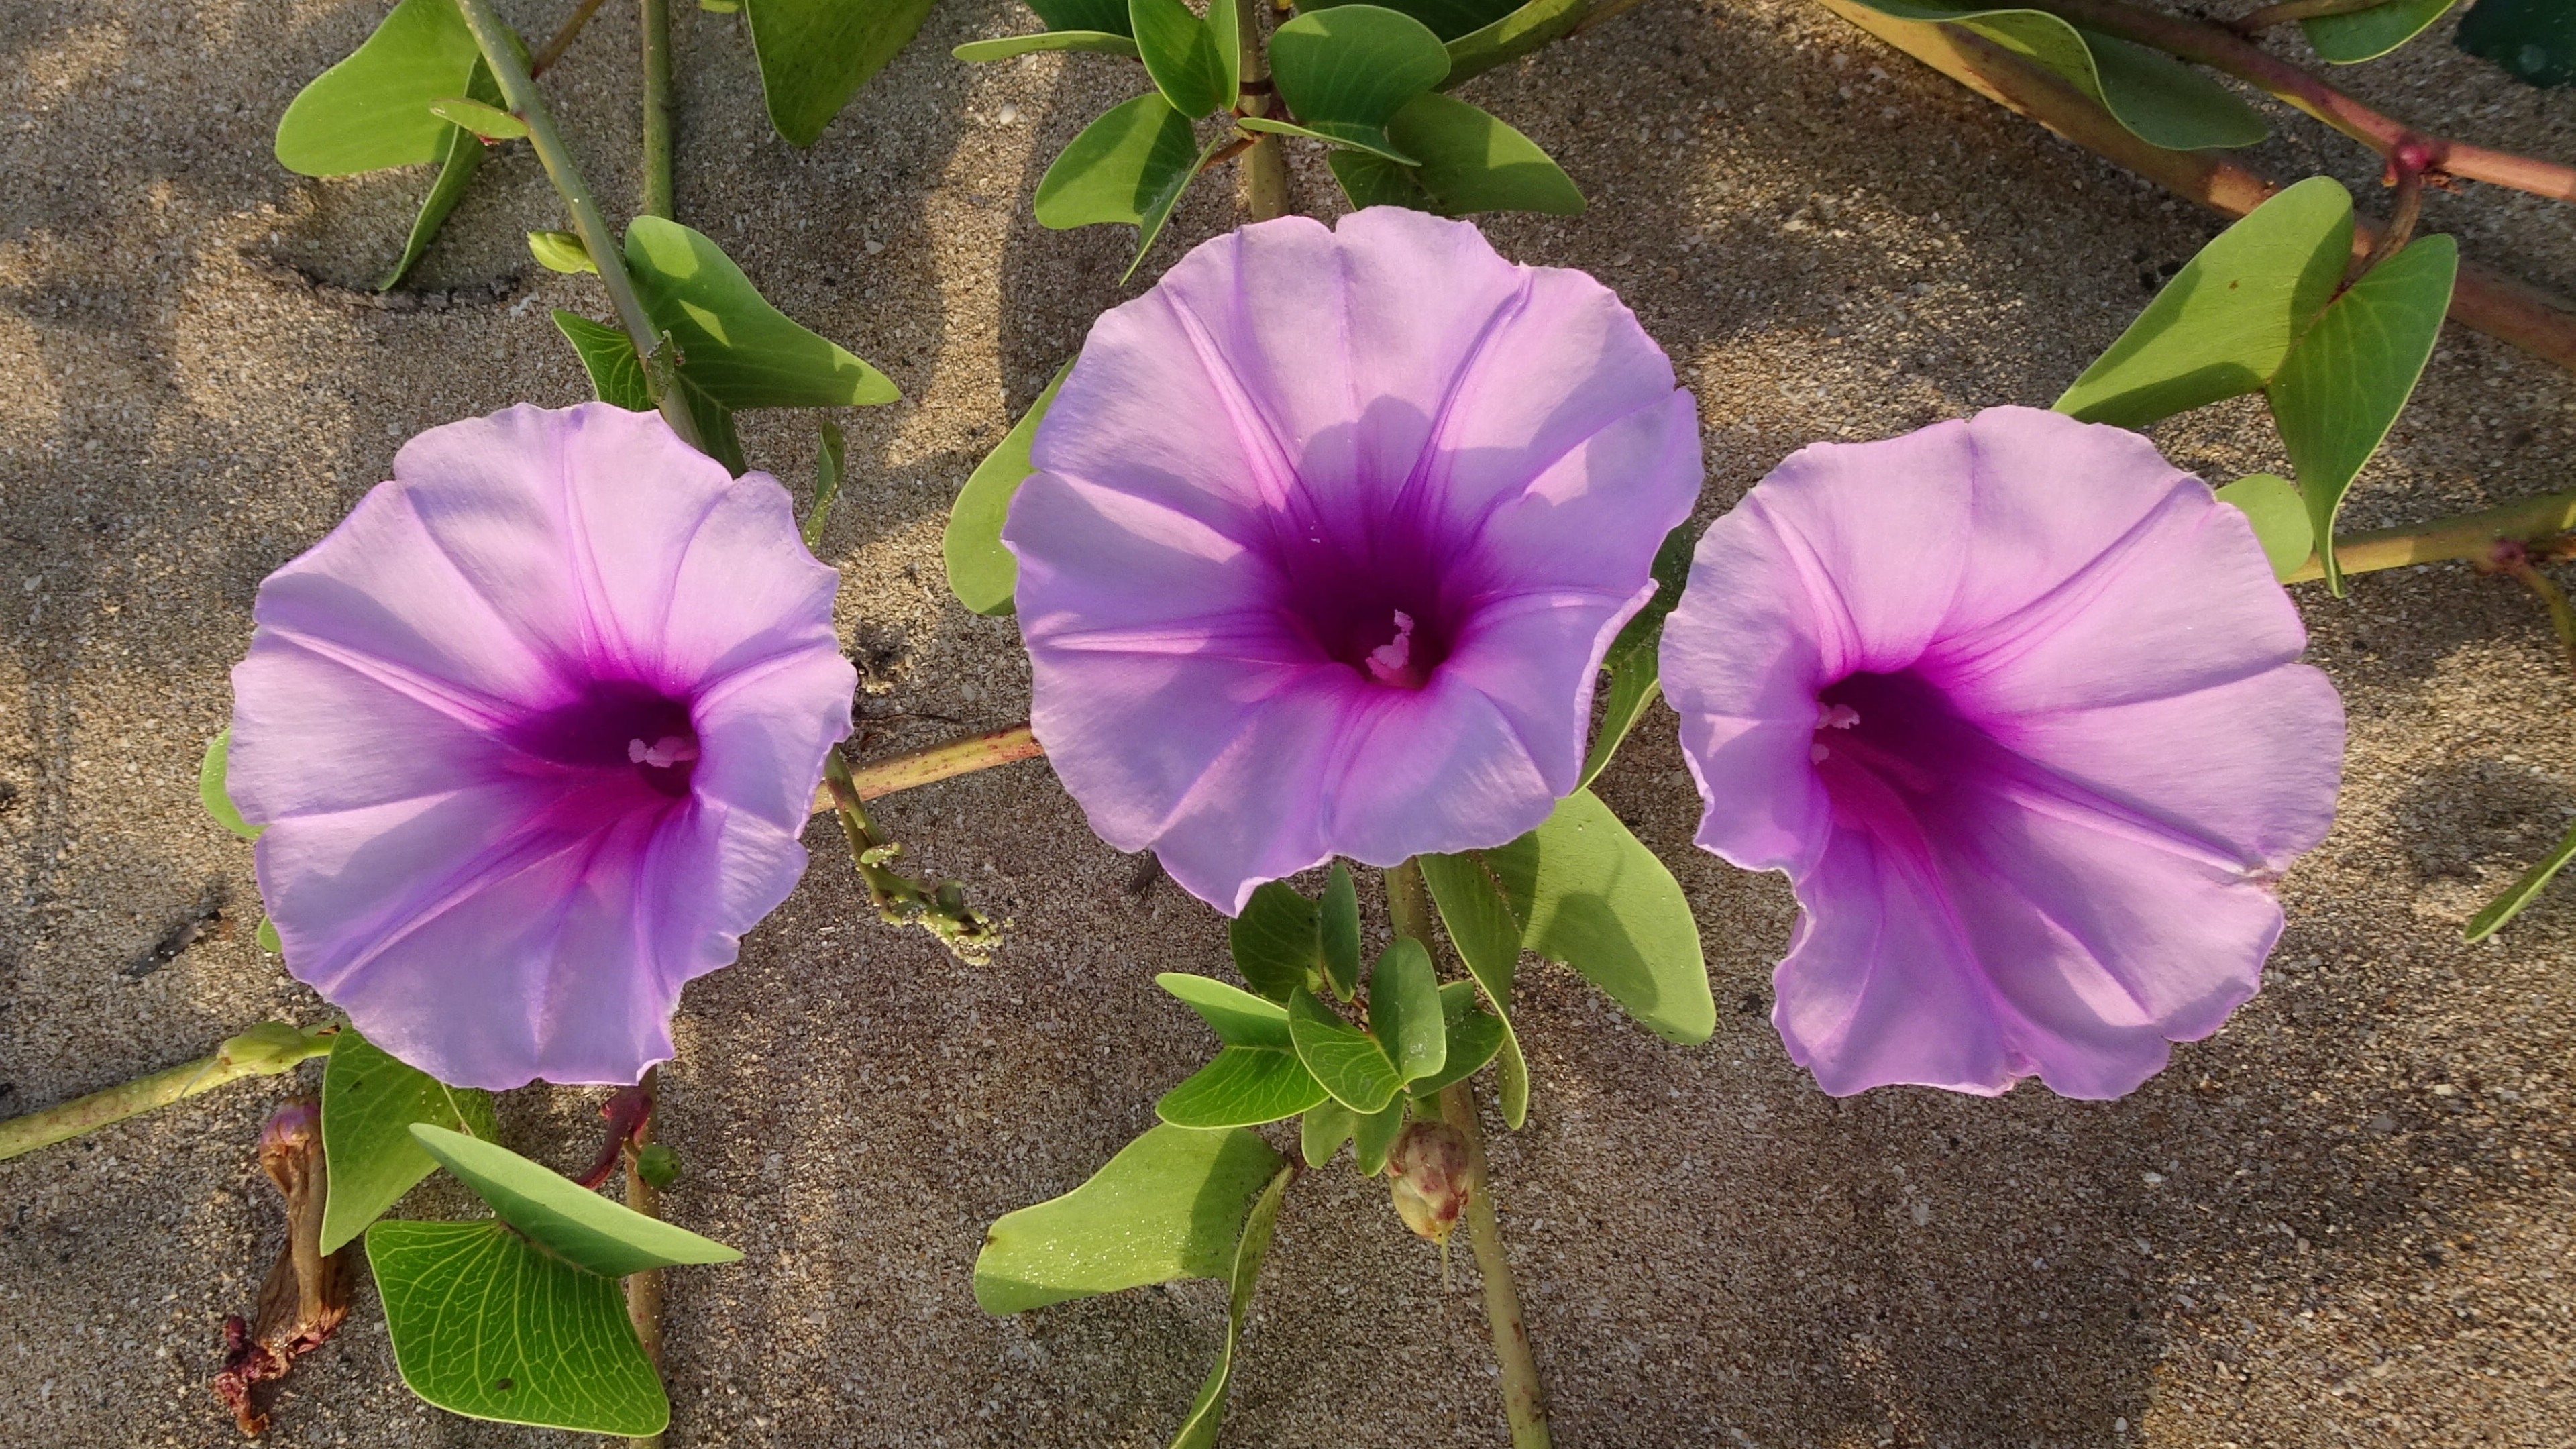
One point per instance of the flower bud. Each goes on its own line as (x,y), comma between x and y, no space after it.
(1426,1172)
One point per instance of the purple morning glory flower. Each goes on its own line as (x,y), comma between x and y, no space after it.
(2013,703)
(534,732)
(1330,531)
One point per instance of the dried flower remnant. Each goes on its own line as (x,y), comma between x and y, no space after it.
(1329,533)
(2014,704)
(534,732)
(306,1294)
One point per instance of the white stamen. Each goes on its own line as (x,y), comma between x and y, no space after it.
(663,753)
(1817,754)
(1387,661)
(1837,717)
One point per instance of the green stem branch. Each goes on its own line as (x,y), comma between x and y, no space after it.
(525,101)
(1265,164)
(264,1050)
(2472,536)
(939,762)
(555,48)
(1408,909)
(644,1290)
(657,108)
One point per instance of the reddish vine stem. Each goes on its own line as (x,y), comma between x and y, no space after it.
(2508,310)
(563,37)
(2218,47)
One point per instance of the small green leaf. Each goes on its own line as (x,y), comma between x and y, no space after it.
(562,251)
(1278,941)
(1471,162)
(1004,47)
(1150,225)
(1447,19)
(981,572)
(831,455)
(815,54)
(1170,1205)
(1404,1009)
(1634,660)
(2280,517)
(1373,1133)
(563,1217)
(2524,891)
(1244,1087)
(1372,180)
(274,1046)
(1194,62)
(1539,23)
(1323,1130)
(1591,895)
(2534,40)
(1130,164)
(460,157)
(2369,34)
(1481,925)
(2345,383)
(616,376)
(1346,71)
(1338,921)
(1238,1017)
(1474,1039)
(485,120)
(734,346)
(369,1101)
(1348,1061)
(371,111)
(1108,15)
(485,1324)
(1199,1427)
(210,787)
(2226,322)
(267,937)
(2157,98)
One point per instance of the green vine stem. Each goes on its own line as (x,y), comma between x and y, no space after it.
(938,762)
(2510,311)
(2530,521)
(1265,165)
(564,36)
(657,108)
(938,907)
(1408,908)
(521,92)
(2222,49)
(265,1050)
(644,1289)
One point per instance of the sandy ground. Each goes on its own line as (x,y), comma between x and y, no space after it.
(2344,1220)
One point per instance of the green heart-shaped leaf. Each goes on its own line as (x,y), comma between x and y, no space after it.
(1322,1131)
(460,156)
(1346,71)
(1004,47)
(2345,382)
(1471,162)
(1337,920)
(371,111)
(2280,518)
(1373,1133)
(616,376)
(563,1217)
(1170,1205)
(1475,1037)
(1404,1010)
(1196,63)
(815,54)
(2226,322)
(1591,895)
(1199,1427)
(1278,941)
(1244,1087)
(1348,1061)
(1479,919)
(485,1324)
(2369,34)
(2159,99)
(1238,1017)
(369,1101)
(734,346)
(211,770)
(981,572)
(1130,165)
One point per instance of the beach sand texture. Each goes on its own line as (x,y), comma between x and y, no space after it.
(2348,1219)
